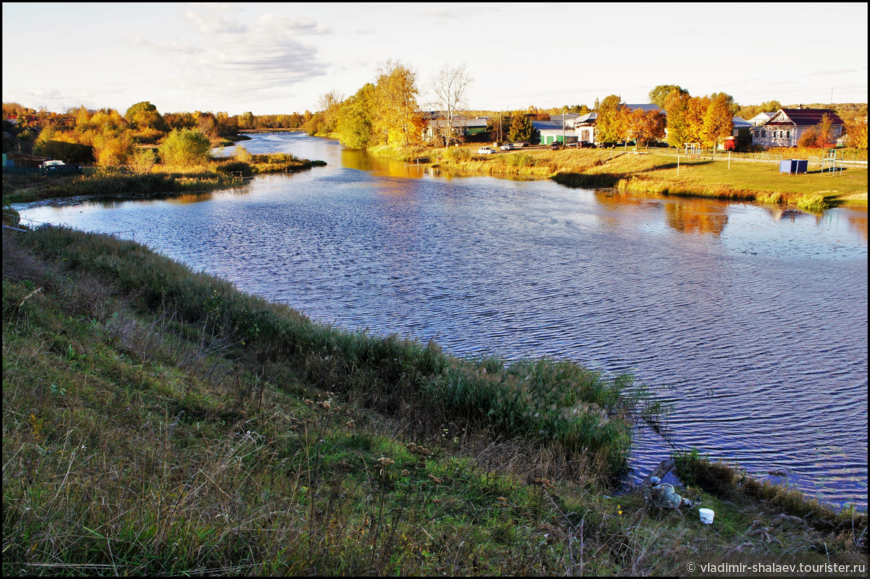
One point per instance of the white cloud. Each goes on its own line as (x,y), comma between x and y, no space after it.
(255,61)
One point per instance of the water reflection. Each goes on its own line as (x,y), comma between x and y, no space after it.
(685,215)
(380,167)
(858,224)
(696,217)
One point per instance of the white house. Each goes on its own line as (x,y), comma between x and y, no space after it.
(584,126)
(785,128)
(761,118)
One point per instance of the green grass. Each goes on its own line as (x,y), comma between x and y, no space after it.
(157,421)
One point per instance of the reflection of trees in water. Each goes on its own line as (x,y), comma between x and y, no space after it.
(613,199)
(858,224)
(358,159)
(696,217)
(687,216)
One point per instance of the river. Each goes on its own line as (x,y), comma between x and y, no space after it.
(752,321)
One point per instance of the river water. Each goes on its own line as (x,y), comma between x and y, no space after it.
(753,321)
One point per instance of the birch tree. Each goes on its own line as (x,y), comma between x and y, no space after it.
(450,86)
(397,98)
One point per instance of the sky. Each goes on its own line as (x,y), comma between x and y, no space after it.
(279,58)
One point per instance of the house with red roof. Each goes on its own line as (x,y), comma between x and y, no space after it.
(787,126)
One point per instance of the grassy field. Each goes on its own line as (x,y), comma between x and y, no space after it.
(158,421)
(658,174)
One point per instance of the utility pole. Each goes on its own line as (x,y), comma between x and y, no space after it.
(564,111)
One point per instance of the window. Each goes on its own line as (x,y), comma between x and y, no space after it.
(788,134)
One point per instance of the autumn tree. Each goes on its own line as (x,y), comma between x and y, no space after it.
(450,86)
(396,95)
(611,124)
(646,126)
(718,119)
(825,130)
(330,106)
(658,95)
(144,115)
(856,129)
(695,112)
(677,104)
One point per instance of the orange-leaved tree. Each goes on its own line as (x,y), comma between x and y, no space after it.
(646,126)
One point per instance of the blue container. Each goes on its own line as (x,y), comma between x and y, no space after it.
(793,166)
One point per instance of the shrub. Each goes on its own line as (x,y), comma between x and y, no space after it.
(520,160)
(142,160)
(235,166)
(456,154)
(809,138)
(185,147)
(242,155)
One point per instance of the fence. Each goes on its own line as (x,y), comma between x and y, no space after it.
(50,171)
(712,155)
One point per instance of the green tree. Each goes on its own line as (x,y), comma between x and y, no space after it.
(355,123)
(658,95)
(521,128)
(185,147)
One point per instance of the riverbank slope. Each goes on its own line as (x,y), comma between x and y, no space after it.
(156,420)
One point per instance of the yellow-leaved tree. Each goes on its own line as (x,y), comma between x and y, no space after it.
(718,120)
(396,102)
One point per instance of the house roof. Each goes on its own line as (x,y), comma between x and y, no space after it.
(568,116)
(804,117)
(644,107)
(739,123)
(459,123)
(547,125)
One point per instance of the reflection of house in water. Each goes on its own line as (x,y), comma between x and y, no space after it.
(858,224)
(696,217)
(779,212)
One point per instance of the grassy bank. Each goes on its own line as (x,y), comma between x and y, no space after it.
(156,420)
(657,174)
(162,180)
(27,188)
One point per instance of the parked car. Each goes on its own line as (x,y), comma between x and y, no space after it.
(556,146)
(585,145)
(521,144)
(507,147)
(485,151)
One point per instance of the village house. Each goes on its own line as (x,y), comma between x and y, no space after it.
(461,127)
(761,118)
(583,126)
(785,128)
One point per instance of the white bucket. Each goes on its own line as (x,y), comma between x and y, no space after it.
(706,516)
